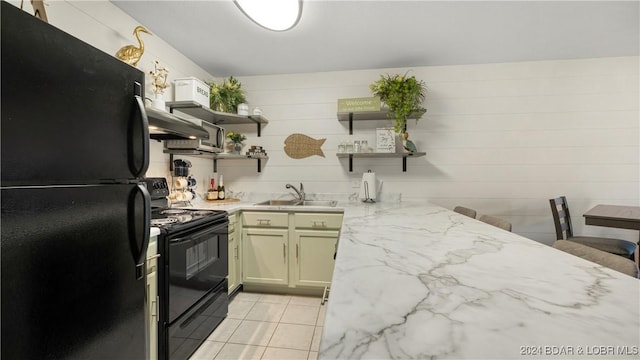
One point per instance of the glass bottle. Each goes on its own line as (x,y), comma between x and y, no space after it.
(221,194)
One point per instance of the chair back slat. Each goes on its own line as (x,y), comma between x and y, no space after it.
(561,217)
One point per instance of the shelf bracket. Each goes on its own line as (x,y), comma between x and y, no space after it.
(350,126)
(259,127)
(215,164)
(350,162)
(404,164)
(259,163)
(171,162)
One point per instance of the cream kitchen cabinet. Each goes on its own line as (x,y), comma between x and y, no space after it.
(314,241)
(235,254)
(265,241)
(314,261)
(289,249)
(265,259)
(152,297)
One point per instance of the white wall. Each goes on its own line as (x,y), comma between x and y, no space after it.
(501,138)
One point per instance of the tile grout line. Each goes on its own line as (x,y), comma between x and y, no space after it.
(278,322)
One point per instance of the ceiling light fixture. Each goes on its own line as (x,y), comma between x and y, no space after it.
(276,15)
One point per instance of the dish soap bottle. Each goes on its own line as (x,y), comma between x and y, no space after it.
(221,195)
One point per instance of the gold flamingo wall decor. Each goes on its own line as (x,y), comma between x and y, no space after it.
(39,10)
(130,53)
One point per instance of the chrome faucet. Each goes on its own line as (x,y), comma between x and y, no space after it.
(300,193)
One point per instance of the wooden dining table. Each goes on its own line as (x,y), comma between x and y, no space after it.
(615,216)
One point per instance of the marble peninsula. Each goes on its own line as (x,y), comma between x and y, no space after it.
(414,280)
(417,281)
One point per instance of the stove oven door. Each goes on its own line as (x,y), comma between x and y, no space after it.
(197,264)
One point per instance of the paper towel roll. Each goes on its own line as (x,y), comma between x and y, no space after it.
(368,186)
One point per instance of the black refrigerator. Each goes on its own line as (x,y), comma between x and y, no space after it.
(75,213)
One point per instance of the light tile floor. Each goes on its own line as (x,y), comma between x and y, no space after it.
(267,326)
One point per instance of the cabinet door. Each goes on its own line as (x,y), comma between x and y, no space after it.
(238,254)
(265,256)
(313,257)
(152,307)
(234,274)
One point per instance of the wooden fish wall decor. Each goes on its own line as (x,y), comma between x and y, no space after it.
(300,146)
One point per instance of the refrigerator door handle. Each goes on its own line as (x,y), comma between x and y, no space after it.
(144,124)
(142,238)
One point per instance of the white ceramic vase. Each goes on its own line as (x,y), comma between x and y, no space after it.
(158,102)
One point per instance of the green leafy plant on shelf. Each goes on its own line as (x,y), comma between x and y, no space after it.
(237,138)
(226,96)
(402,94)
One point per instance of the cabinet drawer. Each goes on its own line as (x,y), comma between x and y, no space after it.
(318,220)
(265,219)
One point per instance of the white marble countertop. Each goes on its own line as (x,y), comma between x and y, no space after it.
(249,200)
(413,280)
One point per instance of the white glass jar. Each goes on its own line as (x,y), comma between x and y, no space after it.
(342,147)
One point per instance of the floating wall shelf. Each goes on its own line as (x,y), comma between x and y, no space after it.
(215,157)
(404,157)
(371,115)
(196,110)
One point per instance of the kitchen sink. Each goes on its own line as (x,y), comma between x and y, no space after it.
(331,203)
(279,202)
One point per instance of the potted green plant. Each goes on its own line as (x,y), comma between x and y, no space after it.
(225,97)
(402,94)
(237,140)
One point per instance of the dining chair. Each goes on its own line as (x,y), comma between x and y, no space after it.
(495,221)
(564,231)
(600,257)
(465,211)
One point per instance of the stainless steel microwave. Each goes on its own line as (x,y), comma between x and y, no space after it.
(214,144)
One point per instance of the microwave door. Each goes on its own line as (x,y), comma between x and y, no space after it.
(216,136)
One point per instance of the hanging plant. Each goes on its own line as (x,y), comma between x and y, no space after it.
(402,94)
(225,97)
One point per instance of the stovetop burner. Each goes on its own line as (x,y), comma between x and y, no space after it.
(173,220)
(161,222)
(202,212)
(177,219)
(173,211)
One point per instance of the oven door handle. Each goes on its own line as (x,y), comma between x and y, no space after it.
(197,235)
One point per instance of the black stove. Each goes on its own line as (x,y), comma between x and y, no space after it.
(192,271)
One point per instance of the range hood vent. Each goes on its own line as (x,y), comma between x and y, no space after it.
(165,126)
